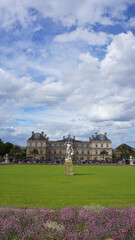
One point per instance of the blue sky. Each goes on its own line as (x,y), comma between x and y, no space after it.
(67,66)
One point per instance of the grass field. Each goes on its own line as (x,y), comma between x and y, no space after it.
(46,186)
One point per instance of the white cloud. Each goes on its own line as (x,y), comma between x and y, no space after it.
(76,89)
(81,34)
(118,65)
(131,22)
(67,11)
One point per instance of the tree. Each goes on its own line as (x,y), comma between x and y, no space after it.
(124,151)
(34,152)
(103,153)
(8,147)
(15,152)
(2,148)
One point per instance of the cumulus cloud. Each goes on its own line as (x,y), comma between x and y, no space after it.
(92,78)
(90,37)
(59,61)
(67,11)
(117,65)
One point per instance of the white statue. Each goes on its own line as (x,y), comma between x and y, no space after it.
(69,152)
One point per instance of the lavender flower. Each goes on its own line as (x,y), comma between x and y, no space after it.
(95,223)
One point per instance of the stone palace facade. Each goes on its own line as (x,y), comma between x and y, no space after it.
(99,147)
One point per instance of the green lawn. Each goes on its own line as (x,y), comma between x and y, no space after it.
(46,186)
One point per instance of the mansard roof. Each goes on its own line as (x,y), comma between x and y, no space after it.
(100,137)
(38,136)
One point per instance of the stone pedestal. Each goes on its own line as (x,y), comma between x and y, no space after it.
(6,158)
(131,160)
(68,168)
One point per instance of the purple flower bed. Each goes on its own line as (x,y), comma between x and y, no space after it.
(67,223)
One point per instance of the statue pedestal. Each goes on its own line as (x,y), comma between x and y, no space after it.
(6,158)
(131,160)
(68,168)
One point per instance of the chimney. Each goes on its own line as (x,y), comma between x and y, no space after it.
(63,137)
(92,137)
(95,134)
(32,133)
(105,134)
(47,138)
(74,137)
(89,138)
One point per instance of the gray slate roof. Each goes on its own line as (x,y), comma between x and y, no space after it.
(37,136)
(100,137)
